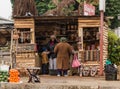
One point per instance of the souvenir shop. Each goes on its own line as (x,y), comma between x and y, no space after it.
(82,32)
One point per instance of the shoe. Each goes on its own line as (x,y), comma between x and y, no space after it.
(58,75)
(65,75)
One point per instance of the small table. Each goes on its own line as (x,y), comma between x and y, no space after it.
(33,71)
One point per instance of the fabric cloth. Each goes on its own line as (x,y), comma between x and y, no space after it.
(107,62)
(63,51)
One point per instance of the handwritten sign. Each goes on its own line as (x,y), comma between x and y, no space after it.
(89,9)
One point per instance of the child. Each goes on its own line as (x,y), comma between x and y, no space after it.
(45,61)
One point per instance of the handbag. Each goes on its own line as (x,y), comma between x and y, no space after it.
(75,62)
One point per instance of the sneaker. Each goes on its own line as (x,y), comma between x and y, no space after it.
(65,75)
(58,75)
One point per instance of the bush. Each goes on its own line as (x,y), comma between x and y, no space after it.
(113,48)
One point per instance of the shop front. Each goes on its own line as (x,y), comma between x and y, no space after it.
(82,32)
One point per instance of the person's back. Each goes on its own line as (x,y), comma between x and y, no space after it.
(63,51)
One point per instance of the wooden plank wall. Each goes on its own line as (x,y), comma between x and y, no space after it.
(88,23)
(105,42)
(26,23)
(24,60)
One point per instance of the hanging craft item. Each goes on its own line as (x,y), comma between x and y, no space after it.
(15,36)
(3,41)
(86,71)
(93,71)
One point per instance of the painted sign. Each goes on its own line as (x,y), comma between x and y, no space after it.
(89,9)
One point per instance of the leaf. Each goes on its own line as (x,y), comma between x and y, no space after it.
(78,1)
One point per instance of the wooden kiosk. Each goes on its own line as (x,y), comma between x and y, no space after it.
(23,42)
(82,32)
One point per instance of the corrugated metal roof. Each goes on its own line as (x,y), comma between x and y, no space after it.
(5,21)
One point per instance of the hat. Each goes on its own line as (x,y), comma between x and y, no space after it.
(63,39)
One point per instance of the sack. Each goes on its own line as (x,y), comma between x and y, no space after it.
(110,68)
(75,62)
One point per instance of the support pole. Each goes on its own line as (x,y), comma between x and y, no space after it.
(101,41)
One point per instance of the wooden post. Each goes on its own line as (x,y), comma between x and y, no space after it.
(101,42)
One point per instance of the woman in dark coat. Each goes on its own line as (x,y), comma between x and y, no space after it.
(52,56)
(63,51)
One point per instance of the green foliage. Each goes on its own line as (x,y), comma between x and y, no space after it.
(113,47)
(67,10)
(79,1)
(12,1)
(114,23)
(113,9)
(43,6)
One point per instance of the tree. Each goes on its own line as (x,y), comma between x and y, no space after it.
(113,9)
(56,7)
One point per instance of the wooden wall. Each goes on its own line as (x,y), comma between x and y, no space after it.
(25,59)
(88,22)
(105,42)
(25,23)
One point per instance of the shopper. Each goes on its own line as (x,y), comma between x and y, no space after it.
(63,51)
(52,56)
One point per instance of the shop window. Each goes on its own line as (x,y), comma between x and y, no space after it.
(91,44)
(24,36)
(91,38)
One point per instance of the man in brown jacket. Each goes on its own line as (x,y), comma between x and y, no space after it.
(63,51)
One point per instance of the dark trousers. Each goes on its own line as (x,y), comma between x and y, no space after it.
(62,72)
(45,68)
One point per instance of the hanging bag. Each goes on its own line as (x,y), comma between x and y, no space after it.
(75,62)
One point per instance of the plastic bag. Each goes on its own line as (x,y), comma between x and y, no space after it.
(75,62)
